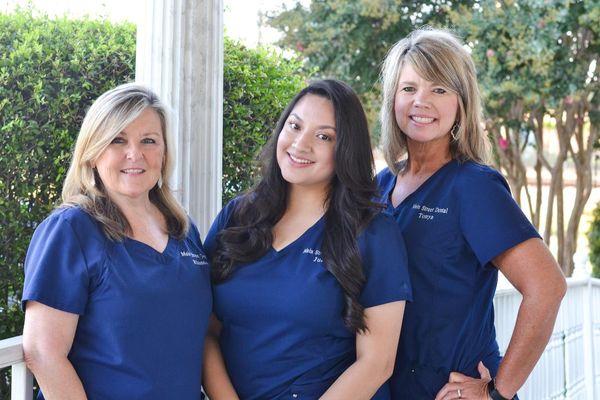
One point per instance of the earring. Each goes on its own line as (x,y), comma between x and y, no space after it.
(454,131)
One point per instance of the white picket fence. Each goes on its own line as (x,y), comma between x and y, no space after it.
(569,368)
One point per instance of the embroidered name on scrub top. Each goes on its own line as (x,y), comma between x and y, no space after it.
(143,314)
(454,224)
(283,333)
(427,213)
(317,254)
(198,259)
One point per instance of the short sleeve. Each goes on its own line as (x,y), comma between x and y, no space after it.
(385,263)
(491,221)
(56,272)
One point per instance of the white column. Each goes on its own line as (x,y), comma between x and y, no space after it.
(180,56)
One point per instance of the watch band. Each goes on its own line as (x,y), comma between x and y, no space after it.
(493,392)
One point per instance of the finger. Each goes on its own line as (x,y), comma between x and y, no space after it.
(448,389)
(453,395)
(457,377)
(483,371)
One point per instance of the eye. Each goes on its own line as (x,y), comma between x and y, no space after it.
(324,137)
(118,140)
(440,90)
(294,125)
(408,89)
(148,141)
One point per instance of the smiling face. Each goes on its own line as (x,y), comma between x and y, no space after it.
(132,163)
(424,111)
(306,144)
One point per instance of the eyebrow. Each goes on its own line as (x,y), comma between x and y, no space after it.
(143,134)
(320,126)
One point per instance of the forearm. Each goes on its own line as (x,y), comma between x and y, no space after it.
(535,322)
(360,381)
(57,378)
(216,382)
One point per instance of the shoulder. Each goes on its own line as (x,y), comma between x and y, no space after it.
(230,209)
(478,176)
(381,229)
(385,177)
(75,218)
(70,227)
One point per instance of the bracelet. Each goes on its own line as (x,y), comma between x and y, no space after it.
(493,392)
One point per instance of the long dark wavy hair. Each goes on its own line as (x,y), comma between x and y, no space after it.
(350,205)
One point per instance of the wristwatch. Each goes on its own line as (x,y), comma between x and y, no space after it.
(494,394)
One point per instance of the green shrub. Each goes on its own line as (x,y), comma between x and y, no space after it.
(50,72)
(257,85)
(594,242)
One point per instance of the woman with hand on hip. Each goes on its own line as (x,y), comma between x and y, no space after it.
(310,278)
(117,287)
(461,226)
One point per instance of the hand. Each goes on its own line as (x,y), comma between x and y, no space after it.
(468,388)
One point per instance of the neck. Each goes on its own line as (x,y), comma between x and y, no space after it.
(426,158)
(307,200)
(140,213)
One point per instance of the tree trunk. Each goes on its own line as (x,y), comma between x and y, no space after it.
(582,159)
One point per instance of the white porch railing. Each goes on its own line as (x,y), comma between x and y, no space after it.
(569,369)
(570,366)
(11,355)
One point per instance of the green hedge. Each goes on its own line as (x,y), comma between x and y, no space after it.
(51,70)
(594,242)
(258,84)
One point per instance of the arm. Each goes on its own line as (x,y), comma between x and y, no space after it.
(215,379)
(530,267)
(375,354)
(47,338)
(533,271)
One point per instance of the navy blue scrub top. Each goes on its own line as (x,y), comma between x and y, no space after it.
(454,224)
(143,314)
(283,335)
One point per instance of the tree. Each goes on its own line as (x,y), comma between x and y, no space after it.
(348,39)
(534,61)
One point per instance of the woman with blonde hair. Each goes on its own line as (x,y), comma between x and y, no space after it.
(117,288)
(461,226)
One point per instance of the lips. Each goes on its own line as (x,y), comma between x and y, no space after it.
(133,171)
(421,119)
(298,160)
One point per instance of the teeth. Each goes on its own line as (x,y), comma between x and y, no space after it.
(133,171)
(300,160)
(423,120)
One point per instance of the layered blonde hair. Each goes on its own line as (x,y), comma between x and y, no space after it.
(438,56)
(106,118)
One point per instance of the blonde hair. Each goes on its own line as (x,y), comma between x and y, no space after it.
(438,56)
(105,119)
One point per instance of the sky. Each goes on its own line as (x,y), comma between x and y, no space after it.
(240,17)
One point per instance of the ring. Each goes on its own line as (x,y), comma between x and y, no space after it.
(459,393)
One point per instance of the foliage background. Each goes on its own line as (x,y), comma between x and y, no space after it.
(51,70)
(538,70)
(258,84)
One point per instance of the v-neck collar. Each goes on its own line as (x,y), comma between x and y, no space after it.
(292,244)
(164,257)
(417,190)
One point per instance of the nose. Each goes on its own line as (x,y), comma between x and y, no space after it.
(134,152)
(302,141)
(421,99)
